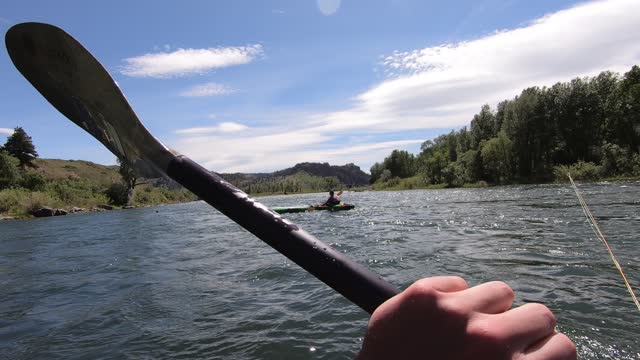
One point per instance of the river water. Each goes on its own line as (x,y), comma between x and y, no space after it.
(184,282)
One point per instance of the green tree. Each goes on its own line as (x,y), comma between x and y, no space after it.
(33,181)
(376,171)
(464,142)
(623,127)
(435,166)
(118,194)
(331,183)
(471,162)
(386,175)
(616,160)
(19,145)
(9,172)
(497,158)
(129,178)
(482,126)
(455,174)
(519,127)
(499,116)
(400,163)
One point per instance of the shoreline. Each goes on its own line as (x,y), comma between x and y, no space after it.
(73,210)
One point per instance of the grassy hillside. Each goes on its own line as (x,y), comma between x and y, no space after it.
(68,184)
(55,169)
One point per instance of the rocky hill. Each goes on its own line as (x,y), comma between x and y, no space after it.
(349,174)
(303,177)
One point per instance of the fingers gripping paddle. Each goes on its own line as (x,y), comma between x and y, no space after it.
(76,84)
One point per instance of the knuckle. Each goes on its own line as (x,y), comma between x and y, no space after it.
(461,282)
(546,315)
(491,339)
(421,290)
(505,290)
(568,347)
(485,331)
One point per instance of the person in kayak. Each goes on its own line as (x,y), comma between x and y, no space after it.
(442,318)
(332,200)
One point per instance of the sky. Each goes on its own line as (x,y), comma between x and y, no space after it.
(258,86)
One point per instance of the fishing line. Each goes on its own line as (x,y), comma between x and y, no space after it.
(596,230)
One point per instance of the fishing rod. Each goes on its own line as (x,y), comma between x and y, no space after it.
(76,84)
(596,229)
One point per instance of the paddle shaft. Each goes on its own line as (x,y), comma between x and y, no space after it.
(355,282)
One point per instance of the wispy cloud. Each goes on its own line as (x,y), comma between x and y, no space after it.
(440,87)
(277,11)
(225,127)
(271,149)
(328,7)
(189,61)
(208,89)
(165,48)
(6,131)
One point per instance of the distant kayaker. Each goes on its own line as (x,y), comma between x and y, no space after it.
(332,200)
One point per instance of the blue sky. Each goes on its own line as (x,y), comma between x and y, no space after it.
(251,86)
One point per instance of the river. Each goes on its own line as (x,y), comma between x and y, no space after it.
(183,282)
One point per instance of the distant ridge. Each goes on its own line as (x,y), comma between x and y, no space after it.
(349,174)
(302,177)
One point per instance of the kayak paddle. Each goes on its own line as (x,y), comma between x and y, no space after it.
(76,84)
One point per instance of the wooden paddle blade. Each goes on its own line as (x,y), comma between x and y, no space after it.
(76,84)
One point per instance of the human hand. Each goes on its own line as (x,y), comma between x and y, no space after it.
(441,318)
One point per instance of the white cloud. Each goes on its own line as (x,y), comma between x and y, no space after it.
(225,127)
(443,86)
(208,89)
(6,131)
(189,61)
(440,87)
(328,7)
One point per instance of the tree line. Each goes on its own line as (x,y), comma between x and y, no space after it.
(588,126)
(299,182)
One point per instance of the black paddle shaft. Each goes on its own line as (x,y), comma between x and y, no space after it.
(355,282)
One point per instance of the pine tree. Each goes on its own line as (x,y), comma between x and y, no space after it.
(9,172)
(19,145)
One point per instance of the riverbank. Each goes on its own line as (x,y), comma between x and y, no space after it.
(22,204)
(415,183)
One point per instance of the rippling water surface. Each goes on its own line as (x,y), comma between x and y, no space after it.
(182,281)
